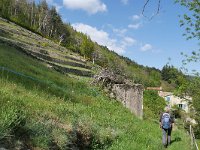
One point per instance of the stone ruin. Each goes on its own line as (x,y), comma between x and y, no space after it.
(125,91)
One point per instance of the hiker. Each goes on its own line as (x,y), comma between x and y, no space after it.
(166,124)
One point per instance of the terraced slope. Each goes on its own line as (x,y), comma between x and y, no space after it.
(43,109)
(58,57)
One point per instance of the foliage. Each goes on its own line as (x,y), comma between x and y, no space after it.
(80,116)
(172,75)
(47,22)
(87,47)
(191,88)
(193,57)
(153,105)
(55,102)
(126,67)
(40,19)
(198,142)
(194,85)
(191,22)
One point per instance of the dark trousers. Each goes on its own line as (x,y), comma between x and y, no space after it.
(166,136)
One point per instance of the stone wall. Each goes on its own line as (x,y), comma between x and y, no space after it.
(118,87)
(131,96)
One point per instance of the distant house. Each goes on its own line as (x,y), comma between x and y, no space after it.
(171,99)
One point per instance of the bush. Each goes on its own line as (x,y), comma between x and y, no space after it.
(153,105)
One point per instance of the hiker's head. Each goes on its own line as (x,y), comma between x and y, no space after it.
(167,109)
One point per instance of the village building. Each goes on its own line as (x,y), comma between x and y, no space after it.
(172,100)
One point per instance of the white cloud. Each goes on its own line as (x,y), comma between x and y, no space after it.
(125,2)
(136,17)
(136,22)
(128,41)
(103,38)
(146,47)
(51,2)
(135,26)
(58,7)
(90,6)
(119,32)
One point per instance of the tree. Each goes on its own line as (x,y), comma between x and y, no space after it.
(42,16)
(33,13)
(172,75)
(5,8)
(191,23)
(87,47)
(69,36)
(191,88)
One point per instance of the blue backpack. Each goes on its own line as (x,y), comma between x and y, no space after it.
(166,123)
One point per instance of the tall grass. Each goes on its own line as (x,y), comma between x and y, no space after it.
(53,111)
(198,142)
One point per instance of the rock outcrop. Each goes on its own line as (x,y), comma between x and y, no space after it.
(128,93)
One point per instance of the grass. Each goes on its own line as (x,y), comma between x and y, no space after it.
(46,116)
(51,110)
(72,67)
(198,142)
(69,60)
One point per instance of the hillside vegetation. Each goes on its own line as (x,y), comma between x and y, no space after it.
(47,101)
(44,109)
(46,21)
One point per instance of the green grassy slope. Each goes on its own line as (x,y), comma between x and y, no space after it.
(198,143)
(43,109)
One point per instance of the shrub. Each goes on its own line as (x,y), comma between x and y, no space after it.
(153,104)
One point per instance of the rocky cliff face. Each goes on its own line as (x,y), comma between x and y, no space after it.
(128,93)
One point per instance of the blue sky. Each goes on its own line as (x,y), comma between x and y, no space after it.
(119,25)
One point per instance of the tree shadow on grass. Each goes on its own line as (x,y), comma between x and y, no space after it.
(177,139)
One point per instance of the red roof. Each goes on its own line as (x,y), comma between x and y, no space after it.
(155,88)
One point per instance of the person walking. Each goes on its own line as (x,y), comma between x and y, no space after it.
(166,124)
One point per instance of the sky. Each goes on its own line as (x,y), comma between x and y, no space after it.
(120,25)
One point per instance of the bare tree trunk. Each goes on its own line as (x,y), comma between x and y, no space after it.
(51,31)
(44,22)
(93,61)
(11,9)
(61,39)
(32,10)
(15,12)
